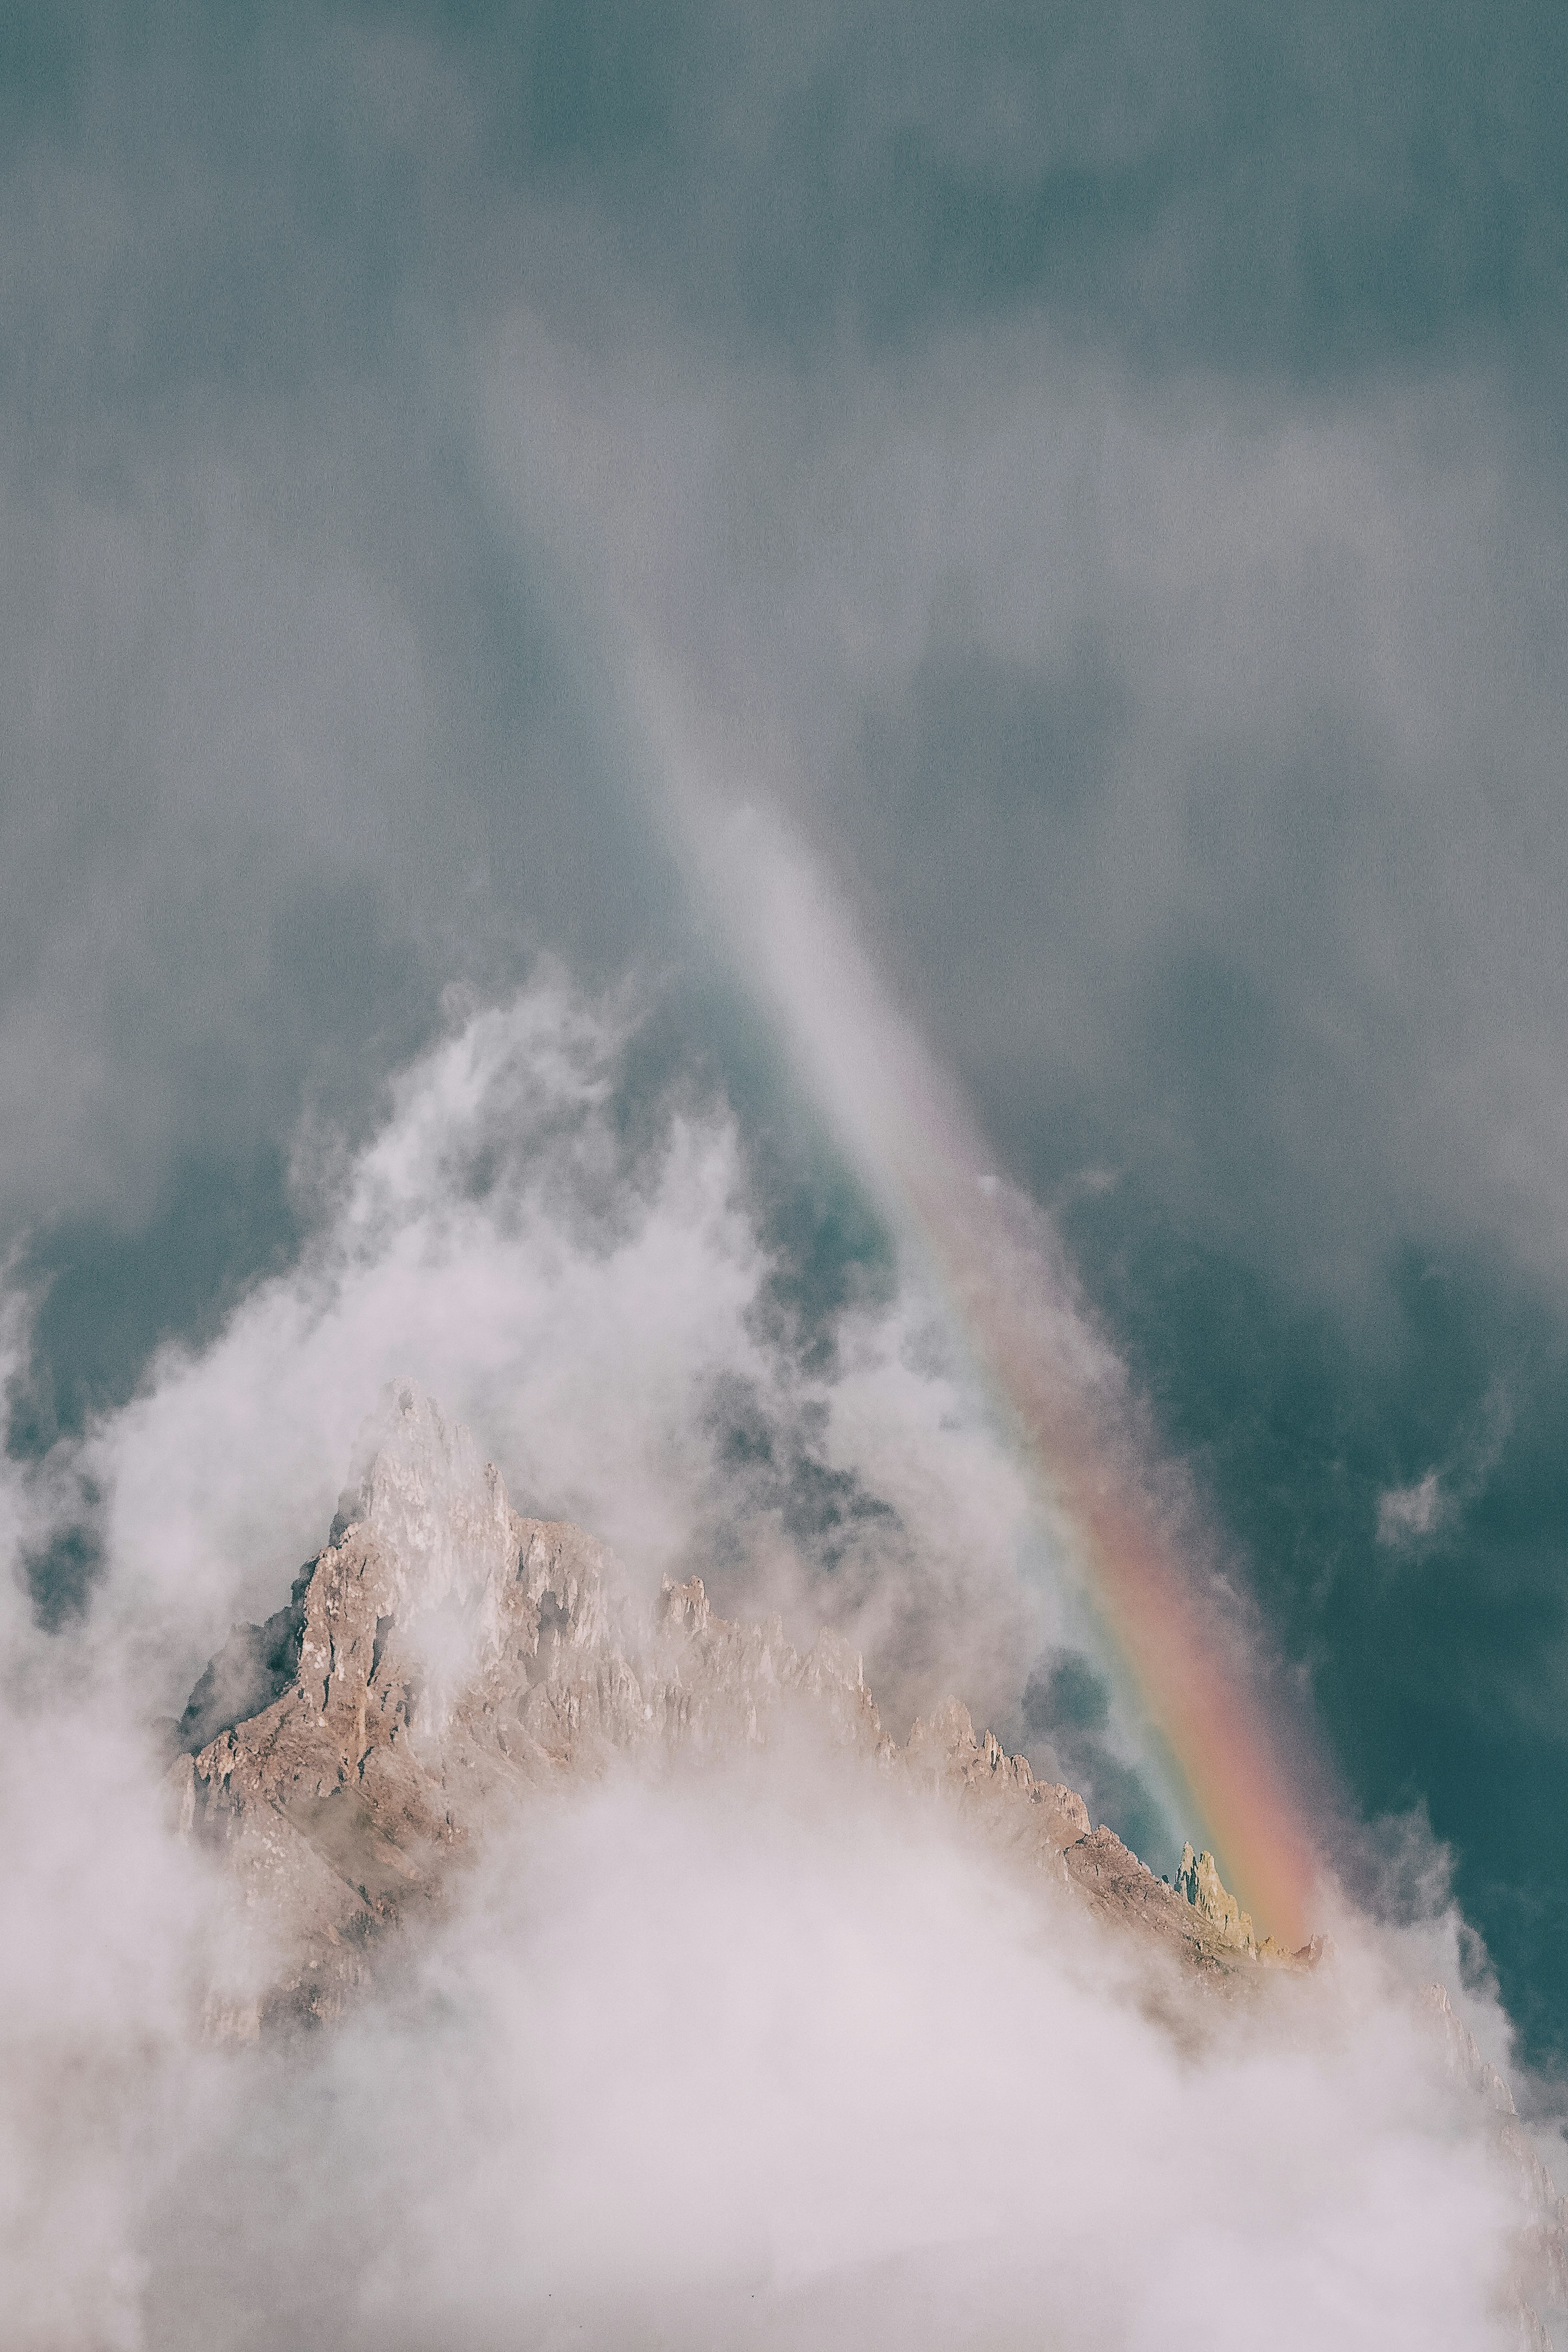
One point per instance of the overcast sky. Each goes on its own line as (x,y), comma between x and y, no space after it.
(1109,465)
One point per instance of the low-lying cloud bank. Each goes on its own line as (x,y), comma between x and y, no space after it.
(771,2056)
(786,2063)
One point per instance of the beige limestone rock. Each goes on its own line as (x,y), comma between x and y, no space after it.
(443,1656)
(1198,1883)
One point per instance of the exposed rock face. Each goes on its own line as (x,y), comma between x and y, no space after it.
(443,1654)
(444,1658)
(1198,1883)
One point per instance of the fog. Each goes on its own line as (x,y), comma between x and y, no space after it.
(774,2056)
(772,2050)
(590,1294)
(784,2063)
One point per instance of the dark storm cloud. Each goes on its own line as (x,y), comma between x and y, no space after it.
(274,688)
(1250,858)
(1304,192)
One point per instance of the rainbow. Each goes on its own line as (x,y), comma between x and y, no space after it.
(1234,1756)
(1115,1511)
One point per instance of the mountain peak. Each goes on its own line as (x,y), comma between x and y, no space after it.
(443,1658)
(425,1495)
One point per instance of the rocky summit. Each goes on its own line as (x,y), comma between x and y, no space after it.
(443,1657)
(443,1660)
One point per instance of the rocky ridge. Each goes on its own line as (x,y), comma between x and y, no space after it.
(444,1654)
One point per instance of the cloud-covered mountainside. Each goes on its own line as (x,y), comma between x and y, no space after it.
(548,1966)
(468,1939)
(441,1651)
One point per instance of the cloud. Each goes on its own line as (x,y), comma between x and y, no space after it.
(1147,724)
(1111,467)
(775,2049)
(787,2060)
(771,2100)
(1224,657)
(1407,1512)
(1407,1515)
(1066,1710)
(579,1268)
(293,746)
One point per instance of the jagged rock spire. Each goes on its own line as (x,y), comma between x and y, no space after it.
(1198,1882)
